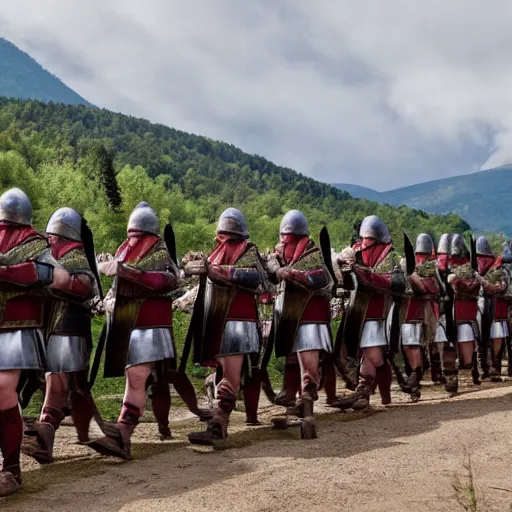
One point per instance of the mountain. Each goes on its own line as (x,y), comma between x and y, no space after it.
(22,77)
(481,198)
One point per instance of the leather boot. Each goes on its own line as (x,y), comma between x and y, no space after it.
(475,374)
(217,429)
(412,384)
(436,371)
(450,370)
(251,392)
(384,378)
(308,426)
(161,405)
(41,449)
(291,384)
(117,440)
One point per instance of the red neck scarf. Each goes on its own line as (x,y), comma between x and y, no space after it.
(292,247)
(443,260)
(484,264)
(135,253)
(63,246)
(12,235)
(459,260)
(422,258)
(228,251)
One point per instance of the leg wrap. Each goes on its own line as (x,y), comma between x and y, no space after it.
(227,397)
(251,391)
(309,387)
(130,415)
(436,370)
(52,416)
(291,377)
(11,435)
(82,408)
(161,402)
(329,383)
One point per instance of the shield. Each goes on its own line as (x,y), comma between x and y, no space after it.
(292,301)
(289,307)
(120,324)
(196,324)
(88,243)
(170,243)
(348,337)
(208,328)
(325,247)
(409,254)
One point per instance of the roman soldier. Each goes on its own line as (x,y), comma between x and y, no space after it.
(24,273)
(68,336)
(463,280)
(485,260)
(371,269)
(140,340)
(419,312)
(226,333)
(444,347)
(494,277)
(302,312)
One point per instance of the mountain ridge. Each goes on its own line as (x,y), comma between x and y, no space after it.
(480,198)
(22,77)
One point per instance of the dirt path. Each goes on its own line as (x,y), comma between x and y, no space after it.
(400,459)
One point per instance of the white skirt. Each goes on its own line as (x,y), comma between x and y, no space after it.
(499,329)
(374,334)
(410,334)
(313,337)
(465,333)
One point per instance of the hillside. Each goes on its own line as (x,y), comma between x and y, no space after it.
(189,179)
(480,198)
(22,77)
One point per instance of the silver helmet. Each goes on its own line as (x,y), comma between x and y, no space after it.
(144,218)
(15,206)
(424,244)
(67,223)
(294,223)
(374,227)
(232,221)
(459,247)
(483,247)
(506,253)
(445,244)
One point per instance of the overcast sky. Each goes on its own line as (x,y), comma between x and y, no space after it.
(377,93)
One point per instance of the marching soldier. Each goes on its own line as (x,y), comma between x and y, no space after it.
(302,312)
(24,273)
(226,334)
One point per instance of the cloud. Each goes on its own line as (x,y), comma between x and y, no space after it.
(382,94)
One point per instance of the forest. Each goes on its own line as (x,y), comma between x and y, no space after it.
(103,163)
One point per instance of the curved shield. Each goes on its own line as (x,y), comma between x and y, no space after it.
(348,337)
(208,332)
(289,307)
(120,324)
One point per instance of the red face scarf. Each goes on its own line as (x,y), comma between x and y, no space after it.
(292,247)
(484,264)
(136,252)
(62,246)
(373,252)
(228,251)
